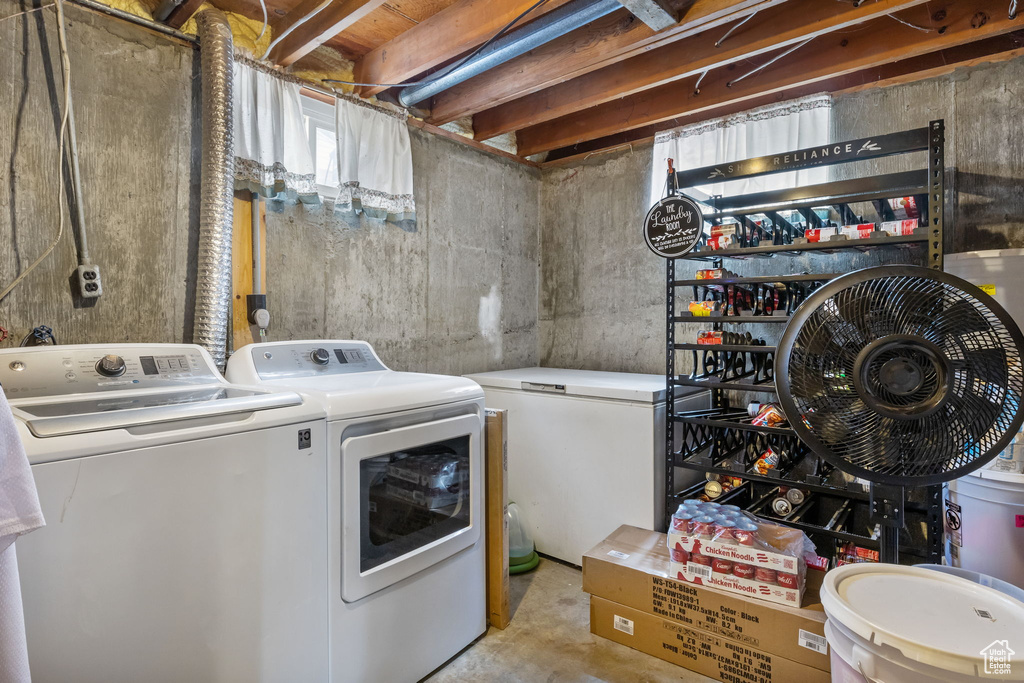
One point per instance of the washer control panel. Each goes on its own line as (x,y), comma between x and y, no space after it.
(311,359)
(57,370)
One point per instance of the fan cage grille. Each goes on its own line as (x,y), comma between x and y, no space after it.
(985,382)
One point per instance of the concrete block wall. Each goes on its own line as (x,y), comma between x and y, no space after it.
(458,295)
(602,292)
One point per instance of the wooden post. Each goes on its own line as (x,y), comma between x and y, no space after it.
(241,267)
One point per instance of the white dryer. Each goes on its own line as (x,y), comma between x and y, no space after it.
(185,535)
(405,514)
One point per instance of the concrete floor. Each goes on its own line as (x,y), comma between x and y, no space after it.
(549,640)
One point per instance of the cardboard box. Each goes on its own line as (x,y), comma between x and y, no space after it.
(702,575)
(706,653)
(496,471)
(631,566)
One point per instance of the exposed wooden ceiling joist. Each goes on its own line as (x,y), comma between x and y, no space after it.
(931,65)
(769,30)
(657,14)
(611,39)
(449,33)
(332,20)
(876,43)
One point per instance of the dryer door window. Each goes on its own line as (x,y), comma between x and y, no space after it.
(412,498)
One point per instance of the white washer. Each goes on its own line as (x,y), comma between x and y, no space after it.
(185,519)
(405,513)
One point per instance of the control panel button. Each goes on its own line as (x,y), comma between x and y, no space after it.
(320,356)
(111,366)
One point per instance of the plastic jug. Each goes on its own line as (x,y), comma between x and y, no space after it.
(521,554)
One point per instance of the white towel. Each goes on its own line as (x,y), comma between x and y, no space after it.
(19,514)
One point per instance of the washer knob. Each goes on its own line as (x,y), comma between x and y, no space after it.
(110,366)
(320,356)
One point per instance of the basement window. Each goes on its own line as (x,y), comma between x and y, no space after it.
(323,144)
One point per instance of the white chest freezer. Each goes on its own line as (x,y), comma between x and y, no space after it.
(586,451)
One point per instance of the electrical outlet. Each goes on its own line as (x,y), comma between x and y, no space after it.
(89,284)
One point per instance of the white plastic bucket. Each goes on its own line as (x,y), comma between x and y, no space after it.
(984,579)
(895,624)
(984,518)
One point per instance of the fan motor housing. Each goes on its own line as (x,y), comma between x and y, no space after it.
(903,376)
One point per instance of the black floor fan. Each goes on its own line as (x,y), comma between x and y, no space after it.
(902,376)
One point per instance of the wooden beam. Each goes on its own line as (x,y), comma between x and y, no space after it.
(657,14)
(875,43)
(769,30)
(182,13)
(242,332)
(335,18)
(932,65)
(451,32)
(600,43)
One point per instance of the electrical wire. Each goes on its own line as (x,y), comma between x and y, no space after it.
(66,68)
(923,29)
(696,87)
(769,62)
(504,30)
(28,11)
(732,30)
(263,6)
(284,34)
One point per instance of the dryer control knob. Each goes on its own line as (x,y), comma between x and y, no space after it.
(111,366)
(320,356)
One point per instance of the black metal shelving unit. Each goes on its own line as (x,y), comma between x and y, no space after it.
(722,440)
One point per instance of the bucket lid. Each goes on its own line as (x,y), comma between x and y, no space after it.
(933,618)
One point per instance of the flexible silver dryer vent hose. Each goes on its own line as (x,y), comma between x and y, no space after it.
(213,285)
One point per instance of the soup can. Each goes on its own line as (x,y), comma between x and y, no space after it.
(703,527)
(765,575)
(723,530)
(743,571)
(720,566)
(746,533)
(700,558)
(788,580)
(682,521)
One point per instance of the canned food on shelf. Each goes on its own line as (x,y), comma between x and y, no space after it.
(820,234)
(782,507)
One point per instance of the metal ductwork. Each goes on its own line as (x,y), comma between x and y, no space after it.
(213,283)
(556,23)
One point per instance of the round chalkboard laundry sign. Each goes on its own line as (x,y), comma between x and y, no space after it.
(673,226)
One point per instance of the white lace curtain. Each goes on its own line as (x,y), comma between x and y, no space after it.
(272,154)
(775,128)
(374,162)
